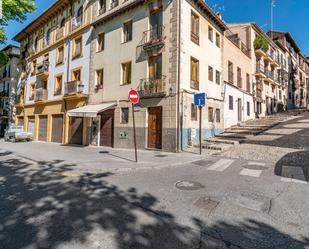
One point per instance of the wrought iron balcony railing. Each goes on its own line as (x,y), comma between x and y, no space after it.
(153,38)
(152,87)
(40,94)
(73,87)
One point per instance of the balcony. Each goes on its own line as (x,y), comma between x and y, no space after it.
(77,22)
(152,87)
(4,94)
(102,10)
(259,93)
(60,33)
(40,95)
(42,69)
(260,52)
(153,39)
(260,70)
(195,38)
(73,87)
(114,4)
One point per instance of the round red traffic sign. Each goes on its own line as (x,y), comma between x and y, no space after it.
(133,96)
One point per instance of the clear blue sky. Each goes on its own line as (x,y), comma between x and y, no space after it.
(289,15)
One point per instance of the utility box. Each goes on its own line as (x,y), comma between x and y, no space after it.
(123,135)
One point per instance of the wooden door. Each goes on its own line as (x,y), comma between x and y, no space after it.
(76,131)
(57,128)
(31,125)
(155,127)
(107,128)
(43,128)
(239,109)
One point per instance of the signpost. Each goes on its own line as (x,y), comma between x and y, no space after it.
(134,99)
(200,101)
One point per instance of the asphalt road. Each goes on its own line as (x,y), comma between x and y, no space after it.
(50,201)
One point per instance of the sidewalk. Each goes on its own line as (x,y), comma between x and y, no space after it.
(96,159)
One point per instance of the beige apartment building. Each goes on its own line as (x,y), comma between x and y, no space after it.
(144,46)
(270,86)
(238,79)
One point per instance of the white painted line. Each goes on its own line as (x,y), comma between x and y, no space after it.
(251,172)
(221,165)
(256,163)
(285,179)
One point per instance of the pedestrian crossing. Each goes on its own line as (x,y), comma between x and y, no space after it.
(251,169)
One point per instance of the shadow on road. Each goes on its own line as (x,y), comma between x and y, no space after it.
(43,207)
(294,165)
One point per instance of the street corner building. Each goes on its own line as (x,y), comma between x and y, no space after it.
(79,60)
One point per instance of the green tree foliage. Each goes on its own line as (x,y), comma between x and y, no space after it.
(261,43)
(13,10)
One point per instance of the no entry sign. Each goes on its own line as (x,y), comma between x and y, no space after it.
(133,96)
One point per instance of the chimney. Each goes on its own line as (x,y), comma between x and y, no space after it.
(219,14)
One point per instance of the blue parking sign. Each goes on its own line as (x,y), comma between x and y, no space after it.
(200,99)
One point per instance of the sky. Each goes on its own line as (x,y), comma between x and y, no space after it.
(289,15)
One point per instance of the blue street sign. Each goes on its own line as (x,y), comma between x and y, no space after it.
(200,99)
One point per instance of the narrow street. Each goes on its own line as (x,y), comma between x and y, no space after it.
(252,195)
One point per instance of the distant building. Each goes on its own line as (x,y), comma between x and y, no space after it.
(9,76)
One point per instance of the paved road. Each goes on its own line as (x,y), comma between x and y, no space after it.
(83,198)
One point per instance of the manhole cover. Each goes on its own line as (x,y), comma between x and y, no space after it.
(71,174)
(202,162)
(160,155)
(254,167)
(208,203)
(188,185)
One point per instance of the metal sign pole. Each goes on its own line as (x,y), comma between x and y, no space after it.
(200,130)
(134,132)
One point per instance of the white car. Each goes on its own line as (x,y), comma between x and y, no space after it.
(16,133)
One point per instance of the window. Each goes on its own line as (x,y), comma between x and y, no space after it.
(124,115)
(248,83)
(248,108)
(195,28)
(47,38)
(127,31)
(31,92)
(99,78)
(77,47)
(239,79)
(36,44)
(60,55)
(210,114)
(33,68)
(44,84)
(126,73)
(217,115)
(101,42)
(76,74)
(155,67)
(217,77)
(193,112)
(231,102)
(230,73)
(217,40)
(280,94)
(210,73)
(210,33)
(58,85)
(194,73)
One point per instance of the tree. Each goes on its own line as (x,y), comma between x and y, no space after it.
(13,10)
(261,43)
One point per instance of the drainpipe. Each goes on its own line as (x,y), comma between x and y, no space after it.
(178,75)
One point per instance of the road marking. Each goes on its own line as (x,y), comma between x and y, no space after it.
(256,163)
(221,165)
(251,172)
(285,179)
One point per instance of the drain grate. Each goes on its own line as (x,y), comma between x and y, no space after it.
(202,162)
(189,185)
(104,152)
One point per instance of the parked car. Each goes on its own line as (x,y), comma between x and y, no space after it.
(16,133)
